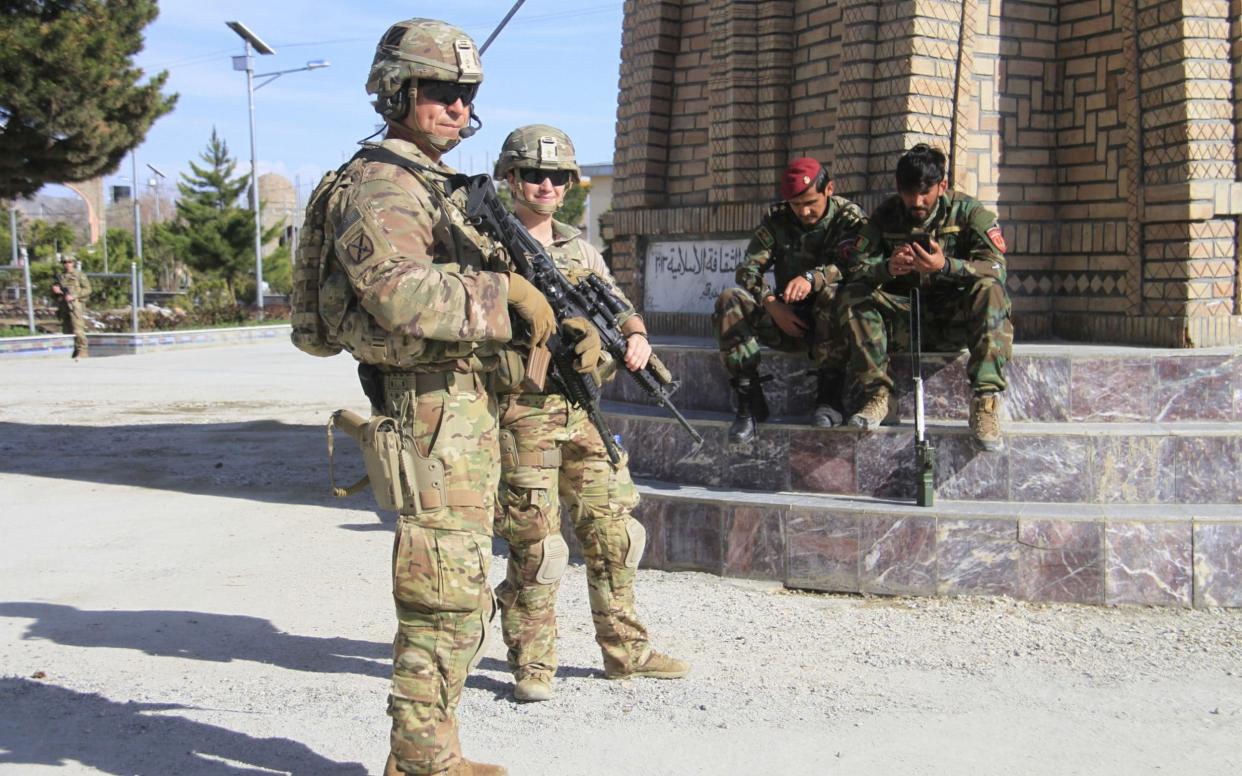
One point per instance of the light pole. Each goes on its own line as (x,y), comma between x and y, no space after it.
(246,63)
(137,227)
(154,184)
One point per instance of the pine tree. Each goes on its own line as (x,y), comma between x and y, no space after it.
(71,106)
(218,234)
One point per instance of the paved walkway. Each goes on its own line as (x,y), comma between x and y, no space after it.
(178,595)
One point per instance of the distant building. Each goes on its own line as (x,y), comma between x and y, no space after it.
(599,200)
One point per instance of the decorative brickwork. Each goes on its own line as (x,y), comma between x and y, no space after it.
(1107,135)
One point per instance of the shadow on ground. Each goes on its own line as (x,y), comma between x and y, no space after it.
(42,724)
(220,638)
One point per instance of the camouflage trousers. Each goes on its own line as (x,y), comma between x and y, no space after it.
(742,325)
(73,321)
(551,453)
(440,559)
(974,316)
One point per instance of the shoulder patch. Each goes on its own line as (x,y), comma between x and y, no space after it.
(862,243)
(764,235)
(845,247)
(998,239)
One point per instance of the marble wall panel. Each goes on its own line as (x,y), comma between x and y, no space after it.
(821,550)
(965,472)
(946,389)
(1061,560)
(822,462)
(1148,564)
(1194,388)
(1112,389)
(665,451)
(754,543)
(786,377)
(977,557)
(1039,389)
(1048,468)
(650,512)
(885,465)
(800,389)
(704,380)
(692,536)
(897,555)
(1218,564)
(1127,468)
(763,464)
(1207,470)
(1236,379)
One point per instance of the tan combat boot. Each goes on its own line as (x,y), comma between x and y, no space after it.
(656,666)
(462,767)
(880,409)
(535,686)
(985,422)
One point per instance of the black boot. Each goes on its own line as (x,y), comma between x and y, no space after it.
(829,407)
(752,408)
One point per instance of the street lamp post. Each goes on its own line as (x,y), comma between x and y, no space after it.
(154,184)
(137,228)
(246,63)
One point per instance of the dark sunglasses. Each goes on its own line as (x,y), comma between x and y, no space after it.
(448,92)
(535,177)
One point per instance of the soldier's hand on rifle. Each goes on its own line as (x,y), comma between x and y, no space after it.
(586,343)
(530,305)
(797,289)
(637,352)
(56,289)
(926,262)
(901,262)
(785,317)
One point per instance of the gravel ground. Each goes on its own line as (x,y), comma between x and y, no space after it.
(178,596)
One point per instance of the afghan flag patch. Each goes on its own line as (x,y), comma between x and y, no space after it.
(998,239)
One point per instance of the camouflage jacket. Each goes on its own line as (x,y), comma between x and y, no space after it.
(789,249)
(965,229)
(414,266)
(75,284)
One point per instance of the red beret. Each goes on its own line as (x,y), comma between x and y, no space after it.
(798,176)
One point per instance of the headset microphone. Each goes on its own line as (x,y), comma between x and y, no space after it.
(467,131)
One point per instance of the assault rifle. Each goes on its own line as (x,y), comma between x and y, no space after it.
(590,299)
(924,453)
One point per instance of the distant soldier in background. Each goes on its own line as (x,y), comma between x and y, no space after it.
(550,451)
(804,240)
(72,289)
(950,247)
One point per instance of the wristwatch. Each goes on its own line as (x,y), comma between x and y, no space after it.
(810,276)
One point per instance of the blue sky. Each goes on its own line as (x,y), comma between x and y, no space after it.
(557,62)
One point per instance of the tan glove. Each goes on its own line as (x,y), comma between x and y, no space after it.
(587,345)
(530,305)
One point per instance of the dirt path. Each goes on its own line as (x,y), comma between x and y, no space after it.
(179,596)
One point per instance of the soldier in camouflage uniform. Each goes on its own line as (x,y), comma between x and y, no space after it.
(426,322)
(961,280)
(551,452)
(804,241)
(72,289)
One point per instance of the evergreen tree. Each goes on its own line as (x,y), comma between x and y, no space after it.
(218,235)
(71,106)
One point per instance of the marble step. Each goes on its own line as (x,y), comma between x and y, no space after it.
(1079,463)
(1093,554)
(1058,382)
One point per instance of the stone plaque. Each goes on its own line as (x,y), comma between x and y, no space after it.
(686,276)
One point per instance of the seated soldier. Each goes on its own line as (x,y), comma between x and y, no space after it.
(804,241)
(950,247)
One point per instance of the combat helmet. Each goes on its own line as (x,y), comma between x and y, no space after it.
(539,147)
(420,49)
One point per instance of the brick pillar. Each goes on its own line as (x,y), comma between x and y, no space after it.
(859,20)
(751,54)
(649,45)
(1189,149)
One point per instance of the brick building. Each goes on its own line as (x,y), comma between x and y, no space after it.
(1107,134)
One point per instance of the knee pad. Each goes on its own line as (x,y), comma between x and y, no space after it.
(555,559)
(638,542)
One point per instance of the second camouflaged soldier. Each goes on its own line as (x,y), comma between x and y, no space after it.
(950,247)
(551,452)
(405,293)
(71,289)
(804,241)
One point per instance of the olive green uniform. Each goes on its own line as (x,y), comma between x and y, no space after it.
(72,313)
(963,305)
(406,294)
(551,452)
(782,244)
